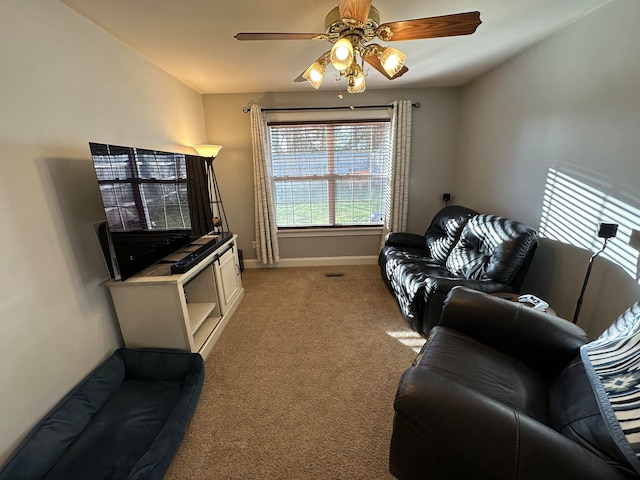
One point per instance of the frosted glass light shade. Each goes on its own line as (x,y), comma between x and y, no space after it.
(356,82)
(359,85)
(314,74)
(208,150)
(342,54)
(392,60)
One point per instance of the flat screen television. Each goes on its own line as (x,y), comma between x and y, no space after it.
(145,194)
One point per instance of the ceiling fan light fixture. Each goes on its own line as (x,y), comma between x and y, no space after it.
(315,74)
(392,60)
(355,82)
(342,54)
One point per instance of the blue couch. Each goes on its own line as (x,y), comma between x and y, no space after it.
(125,420)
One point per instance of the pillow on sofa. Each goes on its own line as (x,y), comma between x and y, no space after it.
(612,363)
(625,323)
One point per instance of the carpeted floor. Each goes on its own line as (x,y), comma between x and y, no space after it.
(301,383)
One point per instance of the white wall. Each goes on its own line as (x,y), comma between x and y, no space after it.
(63,83)
(566,107)
(433,149)
(565,115)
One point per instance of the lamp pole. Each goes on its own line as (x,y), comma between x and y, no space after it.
(586,280)
(606,231)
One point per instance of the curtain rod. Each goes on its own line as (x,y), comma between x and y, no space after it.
(352,107)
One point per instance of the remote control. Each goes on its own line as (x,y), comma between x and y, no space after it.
(537,303)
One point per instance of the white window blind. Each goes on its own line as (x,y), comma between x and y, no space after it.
(330,173)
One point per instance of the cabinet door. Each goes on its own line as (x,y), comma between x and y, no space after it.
(228,278)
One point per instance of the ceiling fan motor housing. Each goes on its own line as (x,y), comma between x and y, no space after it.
(336,27)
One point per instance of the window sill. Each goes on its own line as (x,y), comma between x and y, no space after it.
(329,232)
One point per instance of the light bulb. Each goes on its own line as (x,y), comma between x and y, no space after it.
(356,82)
(342,54)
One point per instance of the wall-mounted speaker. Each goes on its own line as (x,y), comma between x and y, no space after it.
(608,230)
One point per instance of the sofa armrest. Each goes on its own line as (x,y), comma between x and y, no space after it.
(406,240)
(439,287)
(446,429)
(544,342)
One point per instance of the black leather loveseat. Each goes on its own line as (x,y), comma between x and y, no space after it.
(503,392)
(460,248)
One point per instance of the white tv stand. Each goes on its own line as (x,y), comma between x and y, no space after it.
(186,311)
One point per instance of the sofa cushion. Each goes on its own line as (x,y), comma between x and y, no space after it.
(444,230)
(489,372)
(408,273)
(491,248)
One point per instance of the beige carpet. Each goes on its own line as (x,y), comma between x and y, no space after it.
(301,383)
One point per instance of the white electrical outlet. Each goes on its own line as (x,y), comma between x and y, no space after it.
(255,245)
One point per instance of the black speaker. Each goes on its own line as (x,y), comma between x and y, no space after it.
(240,260)
(608,230)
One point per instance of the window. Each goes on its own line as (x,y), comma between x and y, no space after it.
(142,189)
(330,173)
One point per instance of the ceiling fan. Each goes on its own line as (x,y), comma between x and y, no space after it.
(352,25)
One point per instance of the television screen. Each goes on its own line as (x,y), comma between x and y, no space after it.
(142,189)
(145,196)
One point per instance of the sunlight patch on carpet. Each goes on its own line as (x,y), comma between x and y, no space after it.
(408,338)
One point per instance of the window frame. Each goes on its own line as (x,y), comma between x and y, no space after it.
(381,115)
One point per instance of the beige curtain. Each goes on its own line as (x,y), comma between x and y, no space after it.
(397,206)
(266,230)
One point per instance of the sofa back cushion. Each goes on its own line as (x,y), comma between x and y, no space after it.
(491,248)
(444,231)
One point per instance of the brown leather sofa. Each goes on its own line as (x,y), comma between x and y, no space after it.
(460,247)
(500,391)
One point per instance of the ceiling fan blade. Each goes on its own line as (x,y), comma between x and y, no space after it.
(358,9)
(374,61)
(277,36)
(432,27)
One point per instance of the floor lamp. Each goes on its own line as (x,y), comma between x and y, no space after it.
(606,231)
(210,152)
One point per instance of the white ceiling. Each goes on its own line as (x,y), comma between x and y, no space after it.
(193,40)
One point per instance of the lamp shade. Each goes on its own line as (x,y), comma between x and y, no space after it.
(342,54)
(208,150)
(392,60)
(315,74)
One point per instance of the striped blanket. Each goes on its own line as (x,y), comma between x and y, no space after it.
(612,363)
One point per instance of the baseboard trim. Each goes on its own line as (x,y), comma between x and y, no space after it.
(314,262)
